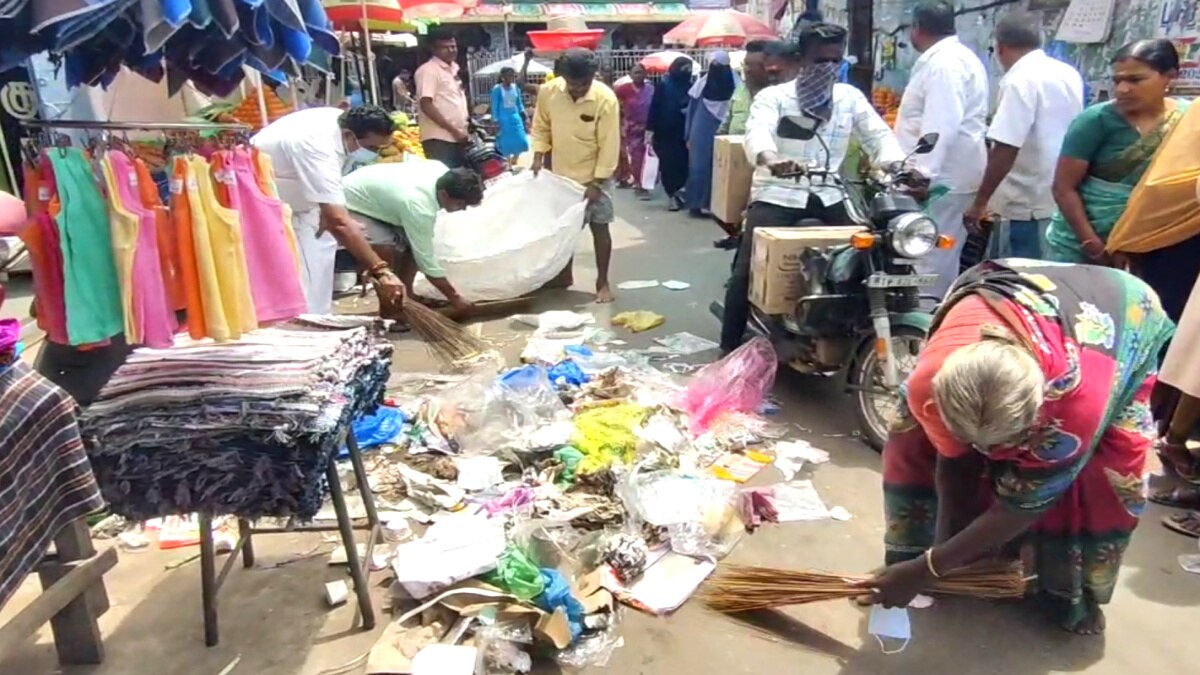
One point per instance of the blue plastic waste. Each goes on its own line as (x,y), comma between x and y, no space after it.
(558,594)
(383,426)
(567,373)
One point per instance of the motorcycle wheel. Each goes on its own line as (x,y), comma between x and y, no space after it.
(874,406)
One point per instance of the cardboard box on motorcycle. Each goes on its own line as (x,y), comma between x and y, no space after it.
(775,262)
(731,178)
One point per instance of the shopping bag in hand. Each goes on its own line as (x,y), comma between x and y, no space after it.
(649,169)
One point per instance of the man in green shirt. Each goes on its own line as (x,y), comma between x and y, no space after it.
(767,62)
(398,204)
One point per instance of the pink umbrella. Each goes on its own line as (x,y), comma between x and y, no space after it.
(659,62)
(728,28)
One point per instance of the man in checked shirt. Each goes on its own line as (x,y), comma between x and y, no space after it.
(784,202)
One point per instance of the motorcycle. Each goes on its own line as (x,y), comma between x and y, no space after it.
(859,311)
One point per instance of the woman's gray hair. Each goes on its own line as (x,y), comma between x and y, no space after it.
(989,393)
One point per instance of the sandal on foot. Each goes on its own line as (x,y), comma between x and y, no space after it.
(1187,524)
(1178,497)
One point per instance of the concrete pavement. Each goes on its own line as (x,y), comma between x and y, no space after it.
(275,622)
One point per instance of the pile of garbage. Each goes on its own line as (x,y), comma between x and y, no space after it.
(549,497)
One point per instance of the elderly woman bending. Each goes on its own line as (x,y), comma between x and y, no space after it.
(1026,426)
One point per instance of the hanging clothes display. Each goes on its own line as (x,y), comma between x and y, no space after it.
(109,258)
(91,289)
(205,41)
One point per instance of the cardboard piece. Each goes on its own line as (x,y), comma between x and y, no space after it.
(554,628)
(731,179)
(775,262)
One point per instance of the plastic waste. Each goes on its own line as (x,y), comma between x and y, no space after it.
(737,383)
(640,321)
(558,594)
(595,650)
(516,573)
(385,425)
(567,373)
(549,544)
(532,226)
(570,457)
(502,648)
(606,434)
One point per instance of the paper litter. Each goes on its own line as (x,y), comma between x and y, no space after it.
(637,284)
(839,513)
(675,285)
(1190,562)
(790,457)
(555,321)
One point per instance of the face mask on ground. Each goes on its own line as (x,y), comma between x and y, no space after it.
(890,624)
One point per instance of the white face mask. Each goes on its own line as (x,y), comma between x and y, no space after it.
(364,156)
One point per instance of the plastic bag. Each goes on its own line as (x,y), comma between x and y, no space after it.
(649,169)
(739,382)
(567,373)
(521,410)
(518,574)
(501,650)
(549,543)
(605,434)
(520,237)
(383,426)
(558,594)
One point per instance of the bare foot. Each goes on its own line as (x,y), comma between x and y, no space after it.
(604,294)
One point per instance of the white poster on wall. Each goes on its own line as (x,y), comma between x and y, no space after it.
(1086,21)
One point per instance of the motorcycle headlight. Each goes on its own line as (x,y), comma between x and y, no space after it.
(913,235)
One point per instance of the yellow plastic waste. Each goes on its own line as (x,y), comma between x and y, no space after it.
(606,433)
(639,321)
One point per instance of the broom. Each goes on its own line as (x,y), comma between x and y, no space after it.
(743,589)
(448,341)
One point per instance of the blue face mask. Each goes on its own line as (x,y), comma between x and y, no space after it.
(364,156)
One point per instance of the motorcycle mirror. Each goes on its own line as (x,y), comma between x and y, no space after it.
(926,143)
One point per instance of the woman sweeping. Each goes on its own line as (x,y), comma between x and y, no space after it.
(1107,149)
(668,116)
(710,99)
(508,109)
(635,96)
(1026,421)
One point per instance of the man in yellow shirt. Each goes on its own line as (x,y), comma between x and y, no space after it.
(578,118)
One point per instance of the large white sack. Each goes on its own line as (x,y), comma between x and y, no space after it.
(519,238)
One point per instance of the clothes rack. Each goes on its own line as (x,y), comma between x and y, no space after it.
(134,126)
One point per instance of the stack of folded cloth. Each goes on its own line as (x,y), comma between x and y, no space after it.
(244,428)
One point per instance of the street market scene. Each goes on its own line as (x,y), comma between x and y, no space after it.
(450,337)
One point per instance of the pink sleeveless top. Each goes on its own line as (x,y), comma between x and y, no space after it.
(152,306)
(274,279)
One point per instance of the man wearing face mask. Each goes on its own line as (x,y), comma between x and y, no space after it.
(311,150)
(947,94)
(777,201)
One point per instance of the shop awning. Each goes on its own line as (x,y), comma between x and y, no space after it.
(610,12)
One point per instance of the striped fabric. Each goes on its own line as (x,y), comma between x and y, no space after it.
(45,478)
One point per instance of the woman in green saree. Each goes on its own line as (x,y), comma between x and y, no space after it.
(1107,149)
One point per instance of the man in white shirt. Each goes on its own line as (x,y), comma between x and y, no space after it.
(784,202)
(947,94)
(310,151)
(1039,96)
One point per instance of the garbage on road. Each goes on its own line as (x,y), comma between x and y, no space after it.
(526,509)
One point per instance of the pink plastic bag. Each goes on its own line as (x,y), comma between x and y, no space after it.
(739,383)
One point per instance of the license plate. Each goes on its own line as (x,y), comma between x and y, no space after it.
(900,280)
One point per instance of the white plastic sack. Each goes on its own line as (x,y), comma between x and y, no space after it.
(518,239)
(649,169)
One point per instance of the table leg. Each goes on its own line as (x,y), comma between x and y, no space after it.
(76,630)
(208,580)
(245,532)
(346,527)
(360,475)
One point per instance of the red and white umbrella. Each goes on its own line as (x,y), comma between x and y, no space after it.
(727,28)
(659,62)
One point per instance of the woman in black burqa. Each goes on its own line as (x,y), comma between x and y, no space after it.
(666,125)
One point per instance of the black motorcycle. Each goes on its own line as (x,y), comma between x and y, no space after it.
(859,311)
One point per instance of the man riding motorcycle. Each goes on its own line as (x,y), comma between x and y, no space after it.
(781,201)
